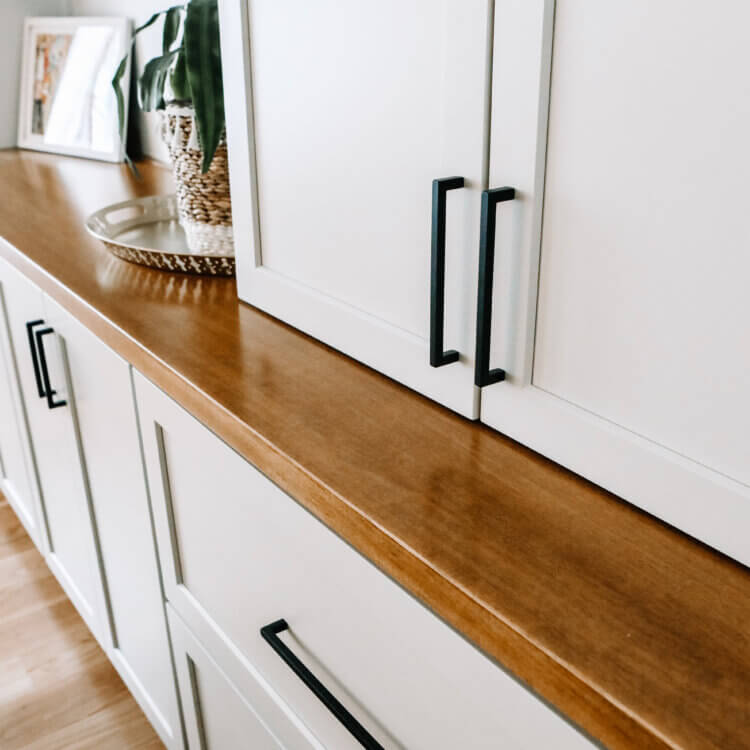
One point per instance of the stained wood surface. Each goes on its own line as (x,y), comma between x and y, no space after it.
(57,688)
(638,634)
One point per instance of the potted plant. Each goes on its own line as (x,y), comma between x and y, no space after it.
(184,83)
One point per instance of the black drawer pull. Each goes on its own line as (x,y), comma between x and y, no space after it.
(438,356)
(51,403)
(34,358)
(270,634)
(490,198)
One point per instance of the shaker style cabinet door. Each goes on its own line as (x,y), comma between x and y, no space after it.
(341,119)
(102,397)
(71,549)
(623,128)
(17,472)
(220,714)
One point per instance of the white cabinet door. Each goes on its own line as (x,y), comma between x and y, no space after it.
(623,128)
(72,550)
(220,714)
(17,470)
(103,400)
(339,122)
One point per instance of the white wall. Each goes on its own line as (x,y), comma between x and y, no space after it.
(12,13)
(147,46)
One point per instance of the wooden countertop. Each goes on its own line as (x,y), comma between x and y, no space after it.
(637,633)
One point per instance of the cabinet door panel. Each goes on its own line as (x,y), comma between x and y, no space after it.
(17,471)
(72,554)
(105,410)
(220,714)
(645,222)
(633,371)
(356,108)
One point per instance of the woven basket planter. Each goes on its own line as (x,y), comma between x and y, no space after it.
(203,202)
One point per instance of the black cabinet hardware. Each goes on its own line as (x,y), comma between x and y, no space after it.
(490,198)
(439,357)
(270,634)
(34,358)
(48,391)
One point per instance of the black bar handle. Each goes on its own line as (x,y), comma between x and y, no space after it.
(490,198)
(51,403)
(270,634)
(34,359)
(438,356)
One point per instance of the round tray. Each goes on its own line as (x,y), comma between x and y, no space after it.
(146,231)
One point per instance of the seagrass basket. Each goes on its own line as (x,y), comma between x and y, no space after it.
(203,202)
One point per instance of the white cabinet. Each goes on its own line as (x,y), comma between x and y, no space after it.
(606,287)
(85,442)
(630,365)
(239,556)
(224,715)
(17,470)
(71,549)
(355,109)
(102,398)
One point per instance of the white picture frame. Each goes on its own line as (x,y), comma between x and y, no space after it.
(66,101)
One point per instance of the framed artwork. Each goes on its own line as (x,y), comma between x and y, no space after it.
(67,104)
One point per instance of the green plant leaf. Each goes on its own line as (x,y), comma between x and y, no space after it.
(203,64)
(152,81)
(120,72)
(171,28)
(150,22)
(121,111)
(178,79)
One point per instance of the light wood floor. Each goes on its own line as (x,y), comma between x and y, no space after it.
(58,690)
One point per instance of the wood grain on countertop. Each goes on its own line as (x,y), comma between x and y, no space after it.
(637,633)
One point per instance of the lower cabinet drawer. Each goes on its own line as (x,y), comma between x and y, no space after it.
(239,554)
(222,713)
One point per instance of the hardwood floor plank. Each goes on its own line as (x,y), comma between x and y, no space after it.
(57,687)
(13,536)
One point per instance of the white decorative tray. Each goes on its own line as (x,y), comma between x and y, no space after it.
(146,231)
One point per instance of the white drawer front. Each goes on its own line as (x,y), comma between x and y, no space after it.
(218,714)
(240,554)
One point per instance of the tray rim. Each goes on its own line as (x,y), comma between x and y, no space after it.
(145,200)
